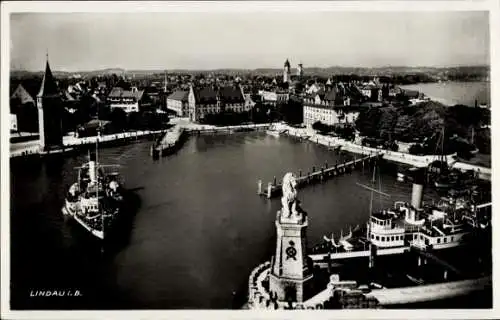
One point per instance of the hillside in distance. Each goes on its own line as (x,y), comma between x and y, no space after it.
(476,71)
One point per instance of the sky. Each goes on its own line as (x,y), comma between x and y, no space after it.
(195,40)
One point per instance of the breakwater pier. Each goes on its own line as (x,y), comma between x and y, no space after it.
(171,139)
(167,142)
(274,189)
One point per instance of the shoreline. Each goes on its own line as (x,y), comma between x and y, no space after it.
(394,156)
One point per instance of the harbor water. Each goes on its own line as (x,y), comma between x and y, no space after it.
(197,227)
(452,93)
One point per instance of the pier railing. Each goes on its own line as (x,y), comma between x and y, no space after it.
(395,156)
(274,188)
(71,142)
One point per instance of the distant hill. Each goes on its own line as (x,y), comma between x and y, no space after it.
(319,71)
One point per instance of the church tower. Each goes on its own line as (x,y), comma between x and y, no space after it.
(286,72)
(50,111)
(290,276)
(300,71)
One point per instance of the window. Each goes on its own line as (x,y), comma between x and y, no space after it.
(373,237)
(445,240)
(452,238)
(392,238)
(439,240)
(377,238)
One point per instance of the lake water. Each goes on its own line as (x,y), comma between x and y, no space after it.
(451,93)
(198,227)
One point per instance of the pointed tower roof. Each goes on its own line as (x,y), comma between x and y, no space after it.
(49,85)
(287,63)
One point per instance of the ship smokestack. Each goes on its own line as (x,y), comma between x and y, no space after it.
(418,189)
(416,195)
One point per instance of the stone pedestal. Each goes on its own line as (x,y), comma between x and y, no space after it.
(290,275)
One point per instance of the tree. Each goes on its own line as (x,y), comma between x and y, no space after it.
(368,122)
(119,119)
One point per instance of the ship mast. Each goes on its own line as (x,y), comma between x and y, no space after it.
(97,173)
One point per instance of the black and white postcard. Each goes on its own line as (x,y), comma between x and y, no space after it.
(260,159)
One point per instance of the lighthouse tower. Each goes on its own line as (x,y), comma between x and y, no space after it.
(290,276)
(50,111)
(286,71)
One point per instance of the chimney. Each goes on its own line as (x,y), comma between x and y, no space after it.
(418,189)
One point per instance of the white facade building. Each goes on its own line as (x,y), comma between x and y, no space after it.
(179,103)
(127,100)
(13,122)
(329,115)
(274,97)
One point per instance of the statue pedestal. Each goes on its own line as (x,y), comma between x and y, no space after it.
(290,275)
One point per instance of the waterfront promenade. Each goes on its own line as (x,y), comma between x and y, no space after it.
(31,147)
(399,157)
(70,142)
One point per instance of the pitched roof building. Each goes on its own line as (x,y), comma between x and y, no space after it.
(213,99)
(50,111)
(178,102)
(128,100)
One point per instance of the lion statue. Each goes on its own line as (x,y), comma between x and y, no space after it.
(289,200)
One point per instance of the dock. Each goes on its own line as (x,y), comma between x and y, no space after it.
(167,142)
(200,129)
(72,144)
(274,189)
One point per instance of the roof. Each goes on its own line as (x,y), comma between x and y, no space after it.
(118,92)
(94,123)
(68,96)
(23,95)
(230,94)
(411,93)
(49,85)
(180,95)
(205,94)
(331,95)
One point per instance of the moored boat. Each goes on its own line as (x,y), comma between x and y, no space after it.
(95,200)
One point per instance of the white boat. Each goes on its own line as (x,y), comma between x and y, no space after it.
(95,200)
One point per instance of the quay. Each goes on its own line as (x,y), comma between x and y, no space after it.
(201,129)
(171,139)
(71,143)
(393,156)
(168,142)
(274,189)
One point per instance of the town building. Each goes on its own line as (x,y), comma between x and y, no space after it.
(179,103)
(23,106)
(127,100)
(332,107)
(13,123)
(274,97)
(213,99)
(300,71)
(371,92)
(50,112)
(286,72)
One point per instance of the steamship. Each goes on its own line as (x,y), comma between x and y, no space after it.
(96,199)
(447,224)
